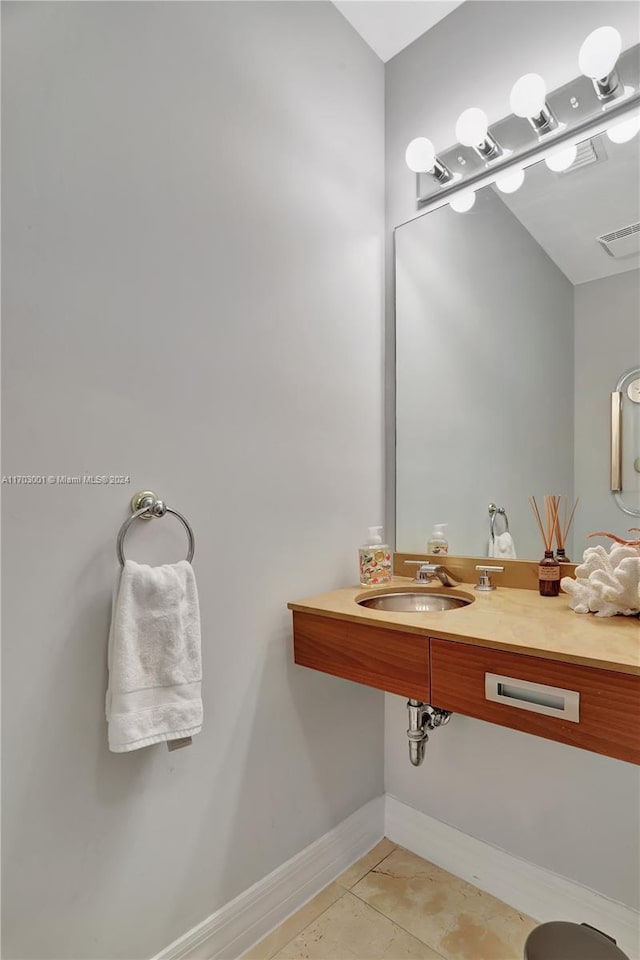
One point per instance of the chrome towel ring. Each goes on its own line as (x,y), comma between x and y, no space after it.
(146,505)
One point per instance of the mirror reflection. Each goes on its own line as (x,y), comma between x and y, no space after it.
(515,321)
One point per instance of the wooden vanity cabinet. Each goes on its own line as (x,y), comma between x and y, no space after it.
(592,708)
(588,707)
(390,660)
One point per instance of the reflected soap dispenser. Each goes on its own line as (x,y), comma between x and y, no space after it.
(438,542)
(375,559)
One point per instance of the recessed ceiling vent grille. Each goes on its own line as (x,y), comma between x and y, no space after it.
(589,152)
(622,243)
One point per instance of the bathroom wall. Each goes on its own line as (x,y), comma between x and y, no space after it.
(192,254)
(567,810)
(612,303)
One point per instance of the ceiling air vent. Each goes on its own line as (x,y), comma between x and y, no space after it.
(622,243)
(588,152)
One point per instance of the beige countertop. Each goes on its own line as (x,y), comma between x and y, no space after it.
(507,618)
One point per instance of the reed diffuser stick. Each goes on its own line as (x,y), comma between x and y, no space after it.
(562,531)
(551,508)
(548,528)
(536,513)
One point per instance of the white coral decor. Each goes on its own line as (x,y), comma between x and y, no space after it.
(606,583)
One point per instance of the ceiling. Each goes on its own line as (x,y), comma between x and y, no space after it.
(388,26)
(566,212)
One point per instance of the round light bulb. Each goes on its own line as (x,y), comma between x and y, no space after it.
(599,52)
(420,155)
(561,159)
(511,181)
(528,95)
(462,202)
(472,126)
(624,131)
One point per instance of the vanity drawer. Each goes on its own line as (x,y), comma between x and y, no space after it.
(387,659)
(598,710)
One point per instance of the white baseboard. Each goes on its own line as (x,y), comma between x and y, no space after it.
(235,927)
(537,892)
(231,930)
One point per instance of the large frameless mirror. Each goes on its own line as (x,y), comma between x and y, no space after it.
(515,322)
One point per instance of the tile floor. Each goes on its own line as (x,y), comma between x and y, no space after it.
(393,905)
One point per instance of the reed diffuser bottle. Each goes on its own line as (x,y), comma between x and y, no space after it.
(549,567)
(549,575)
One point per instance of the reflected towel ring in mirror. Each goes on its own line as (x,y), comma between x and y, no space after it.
(146,505)
(493,513)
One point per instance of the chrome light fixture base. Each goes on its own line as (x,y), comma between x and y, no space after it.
(489,150)
(441,173)
(609,88)
(545,123)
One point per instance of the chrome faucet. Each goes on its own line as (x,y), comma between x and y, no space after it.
(427,572)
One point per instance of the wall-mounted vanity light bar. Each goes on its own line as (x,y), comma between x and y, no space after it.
(556,124)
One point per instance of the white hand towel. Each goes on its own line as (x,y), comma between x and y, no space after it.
(502,546)
(155,665)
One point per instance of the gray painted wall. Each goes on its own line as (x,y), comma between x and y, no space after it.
(567,810)
(478,304)
(192,241)
(538,800)
(607,324)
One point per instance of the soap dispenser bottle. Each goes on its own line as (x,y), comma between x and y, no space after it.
(438,541)
(375,559)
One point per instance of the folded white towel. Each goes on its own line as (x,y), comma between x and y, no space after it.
(155,665)
(502,546)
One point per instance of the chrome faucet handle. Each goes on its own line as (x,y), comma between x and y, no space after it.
(431,571)
(484,582)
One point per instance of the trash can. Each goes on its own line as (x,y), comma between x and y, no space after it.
(560,940)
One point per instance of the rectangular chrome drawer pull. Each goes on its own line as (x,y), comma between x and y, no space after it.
(536,697)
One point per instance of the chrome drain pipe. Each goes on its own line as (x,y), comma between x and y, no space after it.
(422,718)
